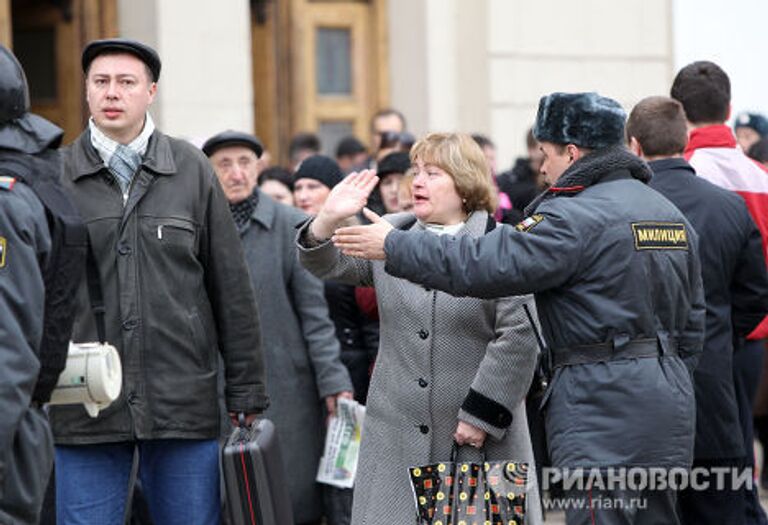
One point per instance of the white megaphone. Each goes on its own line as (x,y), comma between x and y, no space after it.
(93,376)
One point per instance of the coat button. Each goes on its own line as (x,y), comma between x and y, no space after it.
(423,334)
(131,398)
(423,382)
(124,249)
(424,429)
(130,324)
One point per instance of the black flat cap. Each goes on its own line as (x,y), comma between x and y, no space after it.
(122,45)
(232,138)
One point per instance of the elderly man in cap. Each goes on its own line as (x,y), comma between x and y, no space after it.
(615,272)
(301,350)
(177,295)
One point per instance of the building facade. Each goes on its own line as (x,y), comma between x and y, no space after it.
(277,67)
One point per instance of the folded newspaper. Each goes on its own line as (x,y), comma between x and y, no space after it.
(338,465)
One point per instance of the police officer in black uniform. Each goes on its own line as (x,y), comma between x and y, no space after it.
(617,280)
(42,250)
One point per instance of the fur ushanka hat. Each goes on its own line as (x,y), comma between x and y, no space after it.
(587,120)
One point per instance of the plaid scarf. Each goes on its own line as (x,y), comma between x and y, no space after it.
(242,211)
(123,160)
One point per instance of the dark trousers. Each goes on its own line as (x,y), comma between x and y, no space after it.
(338,505)
(713,505)
(621,507)
(747,365)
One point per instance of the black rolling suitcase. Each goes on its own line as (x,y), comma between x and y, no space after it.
(256,493)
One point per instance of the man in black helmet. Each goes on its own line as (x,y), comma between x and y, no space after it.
(42,249)
(178,300)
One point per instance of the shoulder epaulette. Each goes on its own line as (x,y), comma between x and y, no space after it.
(6,183)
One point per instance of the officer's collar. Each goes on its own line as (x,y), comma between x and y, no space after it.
(593,169)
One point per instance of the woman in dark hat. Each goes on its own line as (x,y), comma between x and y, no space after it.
(313,181)
(390,171)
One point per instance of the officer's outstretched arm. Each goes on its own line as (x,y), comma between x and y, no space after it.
(24,247)
(508,261)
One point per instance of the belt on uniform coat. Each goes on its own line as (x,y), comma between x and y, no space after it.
(603,352)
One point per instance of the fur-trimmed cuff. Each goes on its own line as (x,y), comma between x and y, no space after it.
(492,431)
(486,409)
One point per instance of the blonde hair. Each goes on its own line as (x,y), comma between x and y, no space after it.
(459,155)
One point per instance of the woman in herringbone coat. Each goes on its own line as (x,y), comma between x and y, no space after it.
(448,368)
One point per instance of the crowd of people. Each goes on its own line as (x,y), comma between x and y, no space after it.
(616,275)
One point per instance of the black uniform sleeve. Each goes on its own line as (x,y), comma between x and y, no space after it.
(749,288)
(24,247)
(504,262)
(234,307)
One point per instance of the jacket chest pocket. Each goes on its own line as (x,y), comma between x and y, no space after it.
(175,232)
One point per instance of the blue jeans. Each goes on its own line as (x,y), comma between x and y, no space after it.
(179,478)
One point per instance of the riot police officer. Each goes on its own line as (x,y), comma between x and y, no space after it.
(42,249)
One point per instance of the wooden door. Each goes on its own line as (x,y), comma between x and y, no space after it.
(48,38)
(319,66)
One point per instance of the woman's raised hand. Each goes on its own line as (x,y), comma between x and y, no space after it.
(345,200)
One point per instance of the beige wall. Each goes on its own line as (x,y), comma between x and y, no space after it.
(206,84)
(438,63)
(486,63)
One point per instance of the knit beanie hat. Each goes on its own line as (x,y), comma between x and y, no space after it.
(320,168)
